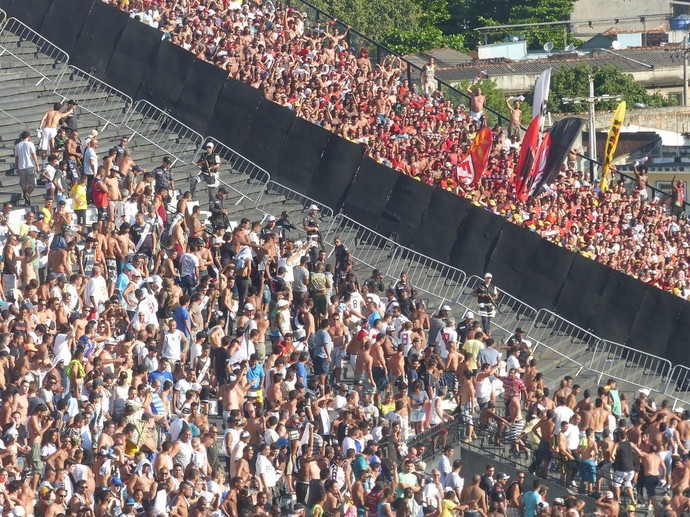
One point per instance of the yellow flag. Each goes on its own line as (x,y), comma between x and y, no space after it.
(611,144)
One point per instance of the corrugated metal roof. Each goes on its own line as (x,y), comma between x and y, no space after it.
(657,57)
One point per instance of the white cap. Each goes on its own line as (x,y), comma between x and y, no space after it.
(271,218)
(32,228)
(446,308)
(283,303)
(209,144)
(488,275)
(469,314)
(644,391)
(314,207)
(248,307)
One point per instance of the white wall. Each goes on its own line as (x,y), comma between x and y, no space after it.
(586,10)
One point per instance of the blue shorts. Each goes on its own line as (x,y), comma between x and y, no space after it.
(320,365)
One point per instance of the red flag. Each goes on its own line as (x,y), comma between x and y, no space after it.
(469,171)
(528,150)
(540,164)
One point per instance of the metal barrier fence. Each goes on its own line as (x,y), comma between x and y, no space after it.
(163,131)
(430,275)
(94,96)
(366,246)
(288,194)
(12,41)
(678,387)
(632,366)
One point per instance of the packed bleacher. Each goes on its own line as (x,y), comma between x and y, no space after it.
(154,363)
(416,131)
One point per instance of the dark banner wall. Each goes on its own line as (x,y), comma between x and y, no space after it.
(130,56)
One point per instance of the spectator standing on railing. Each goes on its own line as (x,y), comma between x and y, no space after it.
(26,165)
(209,168)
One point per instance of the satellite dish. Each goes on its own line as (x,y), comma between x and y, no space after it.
(570,48)
(548,46)
(616,45)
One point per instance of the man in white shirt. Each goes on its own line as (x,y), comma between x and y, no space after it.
(26,165)
(96,291)
(444,465)
(266,471)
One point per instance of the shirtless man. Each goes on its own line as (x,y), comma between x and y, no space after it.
(544,430)
(515,120)
(355,346)
(379,369)
(72,147)
(397,365)
(112,252)
(589,452)
(36,427)
(339,334)
(599,418)
(654,470)
(477,101)
(49,125)
(59,261)
(641,180)
(364,366)
(467,399)
(112,183)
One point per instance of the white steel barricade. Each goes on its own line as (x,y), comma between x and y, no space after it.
(94,96)
(19,40)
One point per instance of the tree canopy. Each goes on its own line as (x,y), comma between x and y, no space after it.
(573,82)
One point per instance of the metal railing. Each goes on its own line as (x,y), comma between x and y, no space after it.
(430,275)
(632,366)
(163,131)
(366,246)
(94,96)
(13,41)
(549,328)
(273,187)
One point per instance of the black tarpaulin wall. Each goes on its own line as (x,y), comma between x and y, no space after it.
(131,61)
(98,39)
(403,212)
(335,173)
(436,233)
(300,155)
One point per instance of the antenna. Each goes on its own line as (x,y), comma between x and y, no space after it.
(548,46)
(616,45)
(570,48)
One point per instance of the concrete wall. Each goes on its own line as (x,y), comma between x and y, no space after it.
(586,10)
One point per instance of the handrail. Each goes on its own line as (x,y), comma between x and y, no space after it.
(3,17)
(83,94)
(162,130)
(382,49)
(289,193)
(13,28)
(432,276)
(618,361)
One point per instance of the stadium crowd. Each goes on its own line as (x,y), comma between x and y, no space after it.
(417,131)
(152,364)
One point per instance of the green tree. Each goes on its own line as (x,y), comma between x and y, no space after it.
(574,82)
(375,19)
(406,42)
(470,14)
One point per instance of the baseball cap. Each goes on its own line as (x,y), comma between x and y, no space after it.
(469,314)
(283,303)
(209,144)
(245,434)
(271,218)
(116,481)
(558,500)
(502,475)
(488,275)
(314,207)
(248,307)
(222,190)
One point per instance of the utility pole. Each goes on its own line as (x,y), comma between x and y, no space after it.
(591,100)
